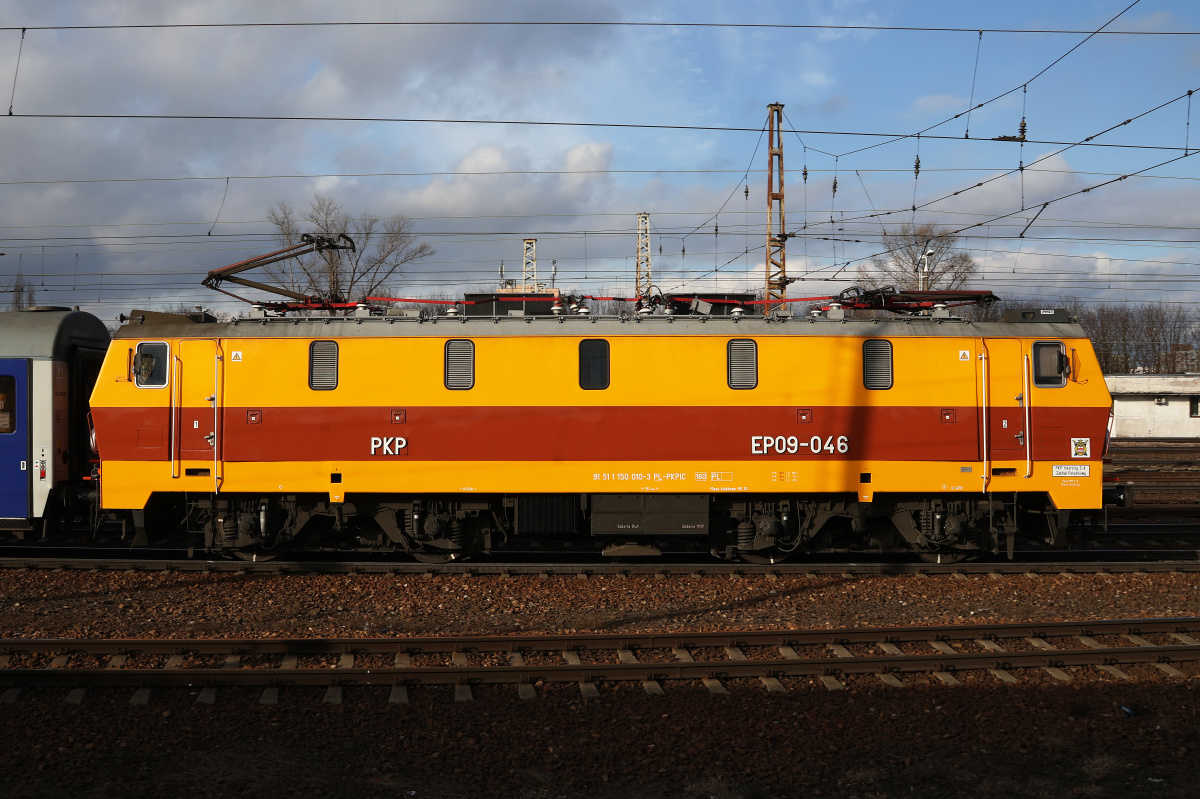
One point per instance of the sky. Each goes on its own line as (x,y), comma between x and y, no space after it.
(146,142)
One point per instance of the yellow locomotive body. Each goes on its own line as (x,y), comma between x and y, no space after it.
(938,435)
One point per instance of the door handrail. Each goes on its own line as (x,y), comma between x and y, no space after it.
(1027,401)
(175,434)
(987,417)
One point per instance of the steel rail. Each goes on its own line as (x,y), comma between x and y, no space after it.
(592,672)
(1188,560)
(596,641)
(685,669)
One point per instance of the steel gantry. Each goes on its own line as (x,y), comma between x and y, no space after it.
(642,280)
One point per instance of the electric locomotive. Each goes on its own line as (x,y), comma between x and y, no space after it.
(757,438)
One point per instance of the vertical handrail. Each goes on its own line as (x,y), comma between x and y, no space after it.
(987,419)
(1027,402)
(218,401)
(175,402)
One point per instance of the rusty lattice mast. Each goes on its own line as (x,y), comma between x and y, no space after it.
(777,279)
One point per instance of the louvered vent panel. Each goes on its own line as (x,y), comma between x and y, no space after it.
(460,364)
(877,364)
(743,363)
(323,365)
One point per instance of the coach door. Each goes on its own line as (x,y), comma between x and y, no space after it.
(15,466)
(1004,415)
(198,368)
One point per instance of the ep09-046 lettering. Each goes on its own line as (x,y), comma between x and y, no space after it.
(790,445)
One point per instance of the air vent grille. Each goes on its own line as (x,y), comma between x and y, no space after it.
(877,364)
(460,364)
(743,363)
(323,365)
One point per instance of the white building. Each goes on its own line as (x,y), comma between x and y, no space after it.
(1155,406)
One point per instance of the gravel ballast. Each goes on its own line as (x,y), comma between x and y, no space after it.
(1093,736)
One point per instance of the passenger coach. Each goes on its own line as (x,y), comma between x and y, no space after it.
(49,359)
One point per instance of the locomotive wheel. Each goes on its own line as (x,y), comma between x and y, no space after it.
(434,556)
(254,557)
(943,558)
(765,557)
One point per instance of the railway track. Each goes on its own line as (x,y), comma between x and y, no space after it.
(1122,561)
(594,662)
(1159,476)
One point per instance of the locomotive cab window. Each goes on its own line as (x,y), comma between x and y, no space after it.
(460,364)
(323,365)
(1050,364)
(877,364)
(8,404)
(593,364)
(150,364)
(742,363)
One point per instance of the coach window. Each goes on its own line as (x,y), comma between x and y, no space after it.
(742,363)
(593,364)
(150,364)
(323,365)
(8,404)
(1050,364)
(877,364)
(460,364)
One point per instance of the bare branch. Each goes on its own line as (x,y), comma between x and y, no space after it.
(383,247)
(949,267)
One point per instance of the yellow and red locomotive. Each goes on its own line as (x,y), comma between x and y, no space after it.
(756,437)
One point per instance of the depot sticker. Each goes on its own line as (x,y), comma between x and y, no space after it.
(1073,470)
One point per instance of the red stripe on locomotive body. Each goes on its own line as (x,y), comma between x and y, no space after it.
(566,433)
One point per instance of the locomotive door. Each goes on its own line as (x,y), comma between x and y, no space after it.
(16,468)
(197,367)
(1005,411)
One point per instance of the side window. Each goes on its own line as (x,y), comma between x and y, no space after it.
(8,404)
(742,363)
(877,364)
(460,364)
(593,364)
(150,364)
(323,365)
(1193,407)
(1050,364)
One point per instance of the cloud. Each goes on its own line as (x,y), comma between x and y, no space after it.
(937,104)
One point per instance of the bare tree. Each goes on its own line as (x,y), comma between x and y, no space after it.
(22,293)
(950,267)
(382,248)
(1154,337)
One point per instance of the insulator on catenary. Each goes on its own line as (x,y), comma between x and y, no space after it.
(835,186)
(917,167)
(1021,130)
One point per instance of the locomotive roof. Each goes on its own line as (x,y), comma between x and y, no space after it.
(49,333)
(143,325)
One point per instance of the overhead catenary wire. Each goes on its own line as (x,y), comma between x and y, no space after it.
(589,24)
(1022,166)
(892,137)
(16,71)
(1002,95)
